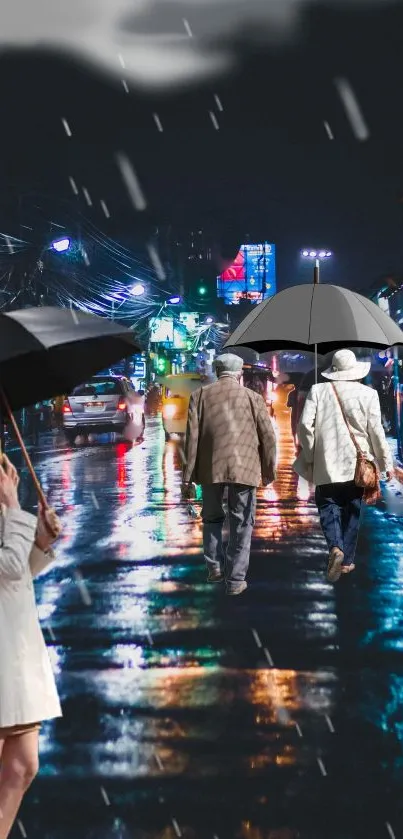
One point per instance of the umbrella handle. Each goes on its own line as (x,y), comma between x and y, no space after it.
(24,450)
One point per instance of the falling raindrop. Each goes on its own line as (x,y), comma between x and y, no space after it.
(51,633)
(66,127)
(353,109)
(158,266)
(95,500)
(158,122)
(159,762)
(82,587)
(105,796)
(87,196)
(105,209)
(214,120)
(73,185)
(131,182)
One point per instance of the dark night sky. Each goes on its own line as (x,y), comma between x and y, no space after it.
(270,171)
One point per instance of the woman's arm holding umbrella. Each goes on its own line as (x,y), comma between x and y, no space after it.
(18,527)
(48,529)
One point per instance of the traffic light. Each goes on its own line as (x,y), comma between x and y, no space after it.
(162,365)
(202,289)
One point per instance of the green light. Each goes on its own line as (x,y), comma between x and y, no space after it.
(202,290)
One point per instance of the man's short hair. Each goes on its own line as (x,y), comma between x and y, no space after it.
(228,363)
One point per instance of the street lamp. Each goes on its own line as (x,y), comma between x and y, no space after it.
(318,256)
(137,290)
(61,245)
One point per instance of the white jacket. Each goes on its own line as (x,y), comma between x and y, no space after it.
(27,685)
(326,444)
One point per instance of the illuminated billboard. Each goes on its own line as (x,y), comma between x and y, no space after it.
(180,336)
(252,275)
(190,320)
(162,331)
(169,332)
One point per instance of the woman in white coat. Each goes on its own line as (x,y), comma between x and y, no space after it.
(28,692)
(328,457)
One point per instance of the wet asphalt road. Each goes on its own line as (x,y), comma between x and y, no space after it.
(274,715)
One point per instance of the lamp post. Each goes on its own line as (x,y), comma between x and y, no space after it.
(317,257)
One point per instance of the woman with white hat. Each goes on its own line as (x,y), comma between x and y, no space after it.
(341,428)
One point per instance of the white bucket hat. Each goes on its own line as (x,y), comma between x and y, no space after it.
(346,368)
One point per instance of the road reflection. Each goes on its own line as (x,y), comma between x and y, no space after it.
(159,663)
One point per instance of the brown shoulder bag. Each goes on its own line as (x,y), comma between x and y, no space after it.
(366,471)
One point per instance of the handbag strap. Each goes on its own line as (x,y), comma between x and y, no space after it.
(357,447)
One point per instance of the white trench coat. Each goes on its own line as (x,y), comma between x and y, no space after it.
(27,686)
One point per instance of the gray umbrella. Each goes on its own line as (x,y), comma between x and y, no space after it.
(317,318)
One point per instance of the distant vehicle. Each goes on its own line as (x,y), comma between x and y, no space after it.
(176,393)
(104,404)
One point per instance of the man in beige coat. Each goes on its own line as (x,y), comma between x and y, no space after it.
(230,445)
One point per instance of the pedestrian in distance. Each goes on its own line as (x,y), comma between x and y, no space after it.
(28,693)
(292,402)
(230,447)
(343,449)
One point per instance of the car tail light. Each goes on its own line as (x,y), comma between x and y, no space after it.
(66,408)
(122,406)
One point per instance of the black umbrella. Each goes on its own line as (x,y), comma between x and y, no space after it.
(47,351)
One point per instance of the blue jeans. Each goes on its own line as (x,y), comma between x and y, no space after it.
(339,507)
(241,511)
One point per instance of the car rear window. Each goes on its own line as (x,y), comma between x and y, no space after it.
(103,388)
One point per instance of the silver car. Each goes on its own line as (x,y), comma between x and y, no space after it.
(104,404)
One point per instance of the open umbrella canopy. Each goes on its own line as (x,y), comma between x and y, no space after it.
(324,316)
(47,351)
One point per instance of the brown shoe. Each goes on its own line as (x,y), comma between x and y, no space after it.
(236,588)
(215,577)
(334,568)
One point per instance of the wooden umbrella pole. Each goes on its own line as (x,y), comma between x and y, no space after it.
(24,450)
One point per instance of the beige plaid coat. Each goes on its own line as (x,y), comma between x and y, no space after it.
(230,438)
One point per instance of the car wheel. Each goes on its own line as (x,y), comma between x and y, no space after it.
(167,437)
(70,437)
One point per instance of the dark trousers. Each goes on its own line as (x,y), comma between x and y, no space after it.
(339,507)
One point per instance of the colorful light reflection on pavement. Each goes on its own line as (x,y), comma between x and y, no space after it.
(186,713)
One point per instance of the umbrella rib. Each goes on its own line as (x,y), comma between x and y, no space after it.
(257,316)
(367,309)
